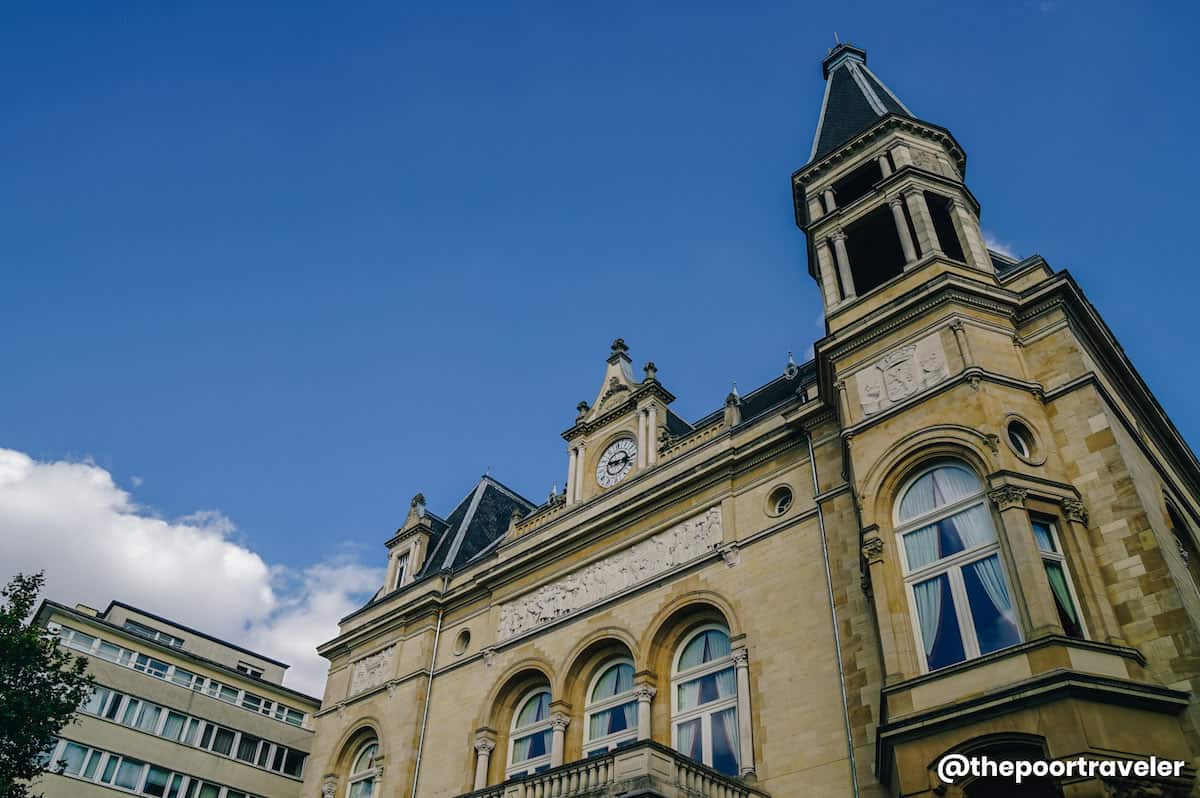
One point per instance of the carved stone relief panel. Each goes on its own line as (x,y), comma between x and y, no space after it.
(373,670)
(901,373)
(639,563)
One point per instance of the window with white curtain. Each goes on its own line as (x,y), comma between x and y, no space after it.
(529,740)
(956,584)
(1046,534)
(364,776)
(704,723)
(611,709)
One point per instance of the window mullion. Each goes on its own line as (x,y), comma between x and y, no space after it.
(962,607)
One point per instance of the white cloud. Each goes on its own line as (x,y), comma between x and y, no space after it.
(997,245)
(96,544)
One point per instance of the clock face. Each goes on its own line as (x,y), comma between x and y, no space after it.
(616,462)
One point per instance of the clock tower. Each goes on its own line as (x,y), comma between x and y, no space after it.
(618,436)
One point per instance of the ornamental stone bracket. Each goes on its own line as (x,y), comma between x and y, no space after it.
(1074,510)
(329,786)
(731,554)
(872,549)
(1008,496)
(489,656)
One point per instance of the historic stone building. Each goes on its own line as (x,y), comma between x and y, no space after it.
(965,526)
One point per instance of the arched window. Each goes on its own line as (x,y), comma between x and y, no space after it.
(956,583)
(611,709)
(704,700)
(529,741)
(364,776)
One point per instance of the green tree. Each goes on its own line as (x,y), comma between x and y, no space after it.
(41,687)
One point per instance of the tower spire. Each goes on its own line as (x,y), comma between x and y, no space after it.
(854,99)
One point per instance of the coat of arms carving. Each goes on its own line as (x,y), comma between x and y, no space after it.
(901,373)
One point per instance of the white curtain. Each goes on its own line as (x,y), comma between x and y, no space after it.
(974,526)
(630,711)
(941,486)
(725,724)
(1041,533)
(689,695)
(726,683)
(921,547)
(992,578)
(929,610)
(687,736)
(521,748)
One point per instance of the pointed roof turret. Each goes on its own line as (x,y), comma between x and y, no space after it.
(854,100)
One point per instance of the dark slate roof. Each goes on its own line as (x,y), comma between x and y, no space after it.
(854,100)
(478,521)
(763,399)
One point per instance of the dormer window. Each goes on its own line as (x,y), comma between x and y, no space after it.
(401,569)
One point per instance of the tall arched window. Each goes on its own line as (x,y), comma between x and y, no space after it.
(704,700)
(529,740)
(364,776)
(956,583)
(611,709)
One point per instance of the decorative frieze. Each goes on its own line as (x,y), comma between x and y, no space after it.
(581,588)
(901,373)
(372,671)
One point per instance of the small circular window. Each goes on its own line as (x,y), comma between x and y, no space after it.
(462,642)
(1020,438)
(780,500)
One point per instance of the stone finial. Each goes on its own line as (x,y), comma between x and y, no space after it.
(514,519)
(618,345)
(791,370)
(651,371)
(733,408)
(582,409)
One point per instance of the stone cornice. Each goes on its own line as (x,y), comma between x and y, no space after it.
(810,172)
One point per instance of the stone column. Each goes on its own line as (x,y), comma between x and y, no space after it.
(579,468)
(872,553)
(843,263)
(826,268)
(558,724)
(572,466)
(1090,581)
(964,346)
(906,242)
(741,661)
(652,435)
(918,209)
(830,200)
(1032,585)
(644,694)
(483,757)
(815,209)
(642,441)
(885,165)
(967,227)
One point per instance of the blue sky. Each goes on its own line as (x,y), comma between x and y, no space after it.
(285,265)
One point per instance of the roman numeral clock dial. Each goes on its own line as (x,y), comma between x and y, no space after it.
(616,462)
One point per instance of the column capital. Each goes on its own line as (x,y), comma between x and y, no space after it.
(484,745)
(838,235)
(895,200)
(559,721)
(741,657)
(1008,496)
(644,692)
(1074,511)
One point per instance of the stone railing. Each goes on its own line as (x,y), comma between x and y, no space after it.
(646,768)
